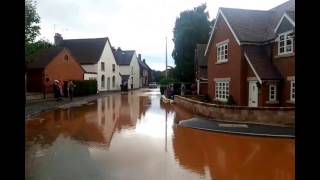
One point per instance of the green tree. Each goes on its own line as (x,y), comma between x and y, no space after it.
(32,19)
(32,48)
(191,28)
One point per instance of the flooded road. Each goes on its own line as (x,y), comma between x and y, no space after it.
(134,136)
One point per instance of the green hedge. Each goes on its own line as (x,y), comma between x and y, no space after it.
(85,87)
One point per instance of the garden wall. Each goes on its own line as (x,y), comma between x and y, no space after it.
(283,116)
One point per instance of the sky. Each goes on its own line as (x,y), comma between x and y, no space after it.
(140,25)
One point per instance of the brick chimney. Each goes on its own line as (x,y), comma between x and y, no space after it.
(58,39)
(139,57)
(144,61)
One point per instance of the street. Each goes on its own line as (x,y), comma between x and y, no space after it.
(133,135)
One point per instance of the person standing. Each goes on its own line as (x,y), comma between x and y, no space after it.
(56,89)
(61,88)
(71,87)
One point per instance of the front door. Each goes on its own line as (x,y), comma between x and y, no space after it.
(253,94)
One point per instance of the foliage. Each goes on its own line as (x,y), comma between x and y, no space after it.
(32,48)
(32,19)
(230,101)
(85,87)
(166,81)
(191,28)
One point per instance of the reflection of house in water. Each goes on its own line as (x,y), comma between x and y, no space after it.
(233,157)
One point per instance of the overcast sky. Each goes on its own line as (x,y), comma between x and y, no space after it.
(140,25)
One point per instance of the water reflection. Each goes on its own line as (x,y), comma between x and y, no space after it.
(134,136)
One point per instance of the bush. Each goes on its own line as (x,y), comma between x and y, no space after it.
(85,87)
(230,101)
(162,88)
(166,81)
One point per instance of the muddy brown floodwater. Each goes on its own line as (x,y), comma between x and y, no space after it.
(134,136)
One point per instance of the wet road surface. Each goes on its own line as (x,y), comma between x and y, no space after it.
(134,136)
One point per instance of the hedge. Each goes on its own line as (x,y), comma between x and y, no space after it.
(85,87)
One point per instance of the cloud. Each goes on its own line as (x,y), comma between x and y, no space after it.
(141,25)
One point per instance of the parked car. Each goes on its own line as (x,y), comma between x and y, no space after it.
(153,85)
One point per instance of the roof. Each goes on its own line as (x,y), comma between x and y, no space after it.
(253,26)
(143,64)
(87,51)
(202,58)
(124,57)
(250,25)
(260,63)
(42,58)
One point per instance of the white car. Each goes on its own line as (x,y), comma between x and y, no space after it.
(153,85)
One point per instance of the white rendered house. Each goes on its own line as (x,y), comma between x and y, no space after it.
(129,68)
(96,57)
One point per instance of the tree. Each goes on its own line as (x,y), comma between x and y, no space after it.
(191,28)
(32,48)
(32,19)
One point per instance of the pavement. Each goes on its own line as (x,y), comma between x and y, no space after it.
(238,128)
(37,106)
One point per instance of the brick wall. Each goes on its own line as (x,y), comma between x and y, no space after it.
(281,116)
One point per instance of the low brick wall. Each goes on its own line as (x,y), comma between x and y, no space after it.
(281,116)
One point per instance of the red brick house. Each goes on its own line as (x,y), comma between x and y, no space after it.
(52,63)
(251,56)
(201,69)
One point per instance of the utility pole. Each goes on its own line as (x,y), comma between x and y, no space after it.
(166,60)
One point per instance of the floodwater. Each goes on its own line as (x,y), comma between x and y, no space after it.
(134,136)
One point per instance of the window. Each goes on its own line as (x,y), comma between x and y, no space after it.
(222,52)
(222,90)
(113,81)
(102,81)
(292,91)
(113,67)
(285,43)
(272,92)
(66,57)
(102,66)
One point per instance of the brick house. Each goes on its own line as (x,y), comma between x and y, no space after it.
(251,56)
(145,72)
(201,69)
(55,63)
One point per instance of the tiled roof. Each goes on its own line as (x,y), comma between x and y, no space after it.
(42,58)
(261,63)
(257,25)
(124,57)
(87,51)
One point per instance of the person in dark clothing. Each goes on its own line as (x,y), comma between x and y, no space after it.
(56,90)
(71,87)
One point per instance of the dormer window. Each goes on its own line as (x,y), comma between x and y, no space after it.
(285,43)
(222,51)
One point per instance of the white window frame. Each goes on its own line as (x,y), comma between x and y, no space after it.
(102,66)
(292,90)
(285,45)
(273,93)
(222,51)
(222,89)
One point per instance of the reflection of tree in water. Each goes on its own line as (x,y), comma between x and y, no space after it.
(233,157)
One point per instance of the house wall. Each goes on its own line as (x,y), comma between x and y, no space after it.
(286,66)
(88,76)
(108,58)
(231,69)
(62,69)
(126,70)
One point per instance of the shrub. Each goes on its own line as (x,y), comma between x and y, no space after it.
(230,101)
(85,87)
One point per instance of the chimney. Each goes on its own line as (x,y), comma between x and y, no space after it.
(139,57)
(144,61)
(58,39)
